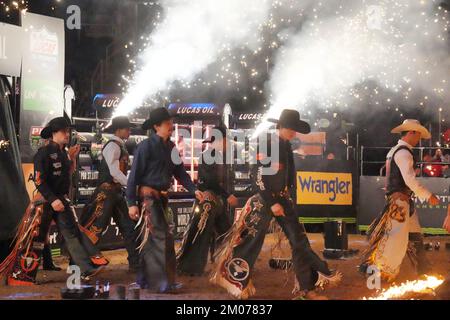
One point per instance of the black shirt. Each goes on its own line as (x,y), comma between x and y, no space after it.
(52,172)
(213,176)
(154,167)
(270,186)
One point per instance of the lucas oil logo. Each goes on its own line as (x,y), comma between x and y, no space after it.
(324,188)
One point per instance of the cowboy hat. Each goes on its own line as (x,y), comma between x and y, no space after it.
(157,116)
(412,125)
(120,122)
(55,125)
(290,119)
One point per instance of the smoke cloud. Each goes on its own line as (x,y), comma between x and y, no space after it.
(192,36)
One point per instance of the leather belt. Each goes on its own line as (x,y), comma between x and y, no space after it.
(111,185)
(150,192)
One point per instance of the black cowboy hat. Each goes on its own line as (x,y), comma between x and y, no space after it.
(157,116)
(55,125)
(120,122)
(290,119)
(223,132)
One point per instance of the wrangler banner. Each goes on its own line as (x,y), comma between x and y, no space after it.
(324,188)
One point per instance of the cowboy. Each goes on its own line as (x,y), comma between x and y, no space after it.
(241,248)
(399,223)
(209,221)
(53,167)
(156,161)
(108,200)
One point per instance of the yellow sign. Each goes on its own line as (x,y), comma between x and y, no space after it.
(324,188)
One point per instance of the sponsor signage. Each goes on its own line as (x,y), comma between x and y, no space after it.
(249,116)
(42,81)
(324,188)
(372,201)
(195,109)
(104,102)
(10,49)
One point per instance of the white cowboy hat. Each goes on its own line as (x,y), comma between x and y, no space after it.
(412,125)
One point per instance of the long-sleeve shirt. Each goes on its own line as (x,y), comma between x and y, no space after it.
(153,166)
(270,186)
(213,177)
(111,154)
(52,172)
(405,163)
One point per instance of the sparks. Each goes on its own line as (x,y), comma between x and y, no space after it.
(417,286)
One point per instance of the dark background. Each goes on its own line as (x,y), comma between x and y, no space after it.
(96,58)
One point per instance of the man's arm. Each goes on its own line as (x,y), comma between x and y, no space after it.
(405,162)
(41,165)
(184,178)
(111,154)
(137,169)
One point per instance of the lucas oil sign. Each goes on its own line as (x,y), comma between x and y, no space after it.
(324,188)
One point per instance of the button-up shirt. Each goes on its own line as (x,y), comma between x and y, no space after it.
(52,172)
(155,163)
(111,154)
(405,163)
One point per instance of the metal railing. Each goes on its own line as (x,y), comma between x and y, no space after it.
(421,163)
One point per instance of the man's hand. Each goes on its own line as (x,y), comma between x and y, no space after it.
(133,212)
(232,201)
(433,200)
(74,151)
(58,206)
(199,195)
(277,210)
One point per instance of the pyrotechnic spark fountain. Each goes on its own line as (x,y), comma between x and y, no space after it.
(334,54)
(390,44)
(417,286)
(177,50)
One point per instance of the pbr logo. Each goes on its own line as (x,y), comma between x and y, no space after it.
(44,43)
(35,138)
(238,269)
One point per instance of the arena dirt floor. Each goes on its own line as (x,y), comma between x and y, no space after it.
(270,284)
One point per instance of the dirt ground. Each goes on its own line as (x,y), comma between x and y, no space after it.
(270,284)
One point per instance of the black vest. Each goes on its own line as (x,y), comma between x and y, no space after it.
(394,178)
(104,174)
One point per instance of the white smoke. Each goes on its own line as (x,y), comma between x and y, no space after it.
(191,37)
(400,45)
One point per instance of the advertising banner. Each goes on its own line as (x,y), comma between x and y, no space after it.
(371,202)
(195,110)
(42,82)
(324,188)
(10,49)
(105,104)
